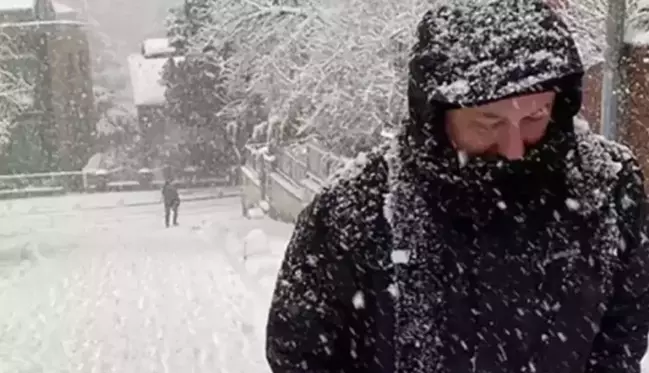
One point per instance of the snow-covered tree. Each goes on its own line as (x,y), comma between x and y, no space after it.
(333,68)
(196,93)
(177,28)
(15,89)
(187,20)
(194,97)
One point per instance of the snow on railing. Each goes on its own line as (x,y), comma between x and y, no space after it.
(115,179)
(297,172)
(42,182)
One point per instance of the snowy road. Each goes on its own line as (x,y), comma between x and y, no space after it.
(112,290)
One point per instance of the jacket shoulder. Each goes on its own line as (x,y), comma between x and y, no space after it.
(355,193)
(601,168)
(598,145)
(601,157)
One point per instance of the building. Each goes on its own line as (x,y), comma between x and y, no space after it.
(146,68)
(633,124)
(46,44)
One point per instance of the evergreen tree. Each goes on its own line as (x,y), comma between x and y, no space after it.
(177,29)
(194,96)
(196,92)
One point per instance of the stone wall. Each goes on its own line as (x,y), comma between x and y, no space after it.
(289,179)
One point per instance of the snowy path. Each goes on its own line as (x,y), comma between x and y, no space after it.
(114,291)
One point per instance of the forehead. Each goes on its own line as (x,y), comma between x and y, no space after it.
(526,103)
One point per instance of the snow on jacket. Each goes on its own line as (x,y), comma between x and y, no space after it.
(413,263)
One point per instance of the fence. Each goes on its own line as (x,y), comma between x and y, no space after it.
(117,179)
(37,184)
(288,179)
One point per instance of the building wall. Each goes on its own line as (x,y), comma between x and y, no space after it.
(635,131)
(592,97)
(54,57)
(285,196)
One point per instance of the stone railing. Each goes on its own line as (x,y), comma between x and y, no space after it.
(286,181)
(41,184)
(118,179)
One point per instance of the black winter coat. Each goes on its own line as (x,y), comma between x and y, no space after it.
(414,263)
(334,305)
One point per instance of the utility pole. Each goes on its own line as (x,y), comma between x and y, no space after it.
(613,75)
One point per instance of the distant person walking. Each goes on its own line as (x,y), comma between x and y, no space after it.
(171,201)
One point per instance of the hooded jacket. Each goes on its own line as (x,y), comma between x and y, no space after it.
(413,262)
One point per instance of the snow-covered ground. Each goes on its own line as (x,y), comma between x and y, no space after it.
(255,247)
(112,290)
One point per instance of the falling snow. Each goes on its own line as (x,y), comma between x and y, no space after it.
(400,256)
(572,204)
(96,283)
(119,292)
(359,300)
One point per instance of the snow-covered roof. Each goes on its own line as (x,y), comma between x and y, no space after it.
(61,8)
(63,11)
(16,4)
(146,75)
(94,163)
(157,47)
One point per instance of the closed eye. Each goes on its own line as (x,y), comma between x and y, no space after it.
(541,113)
(487,123)
(485,127)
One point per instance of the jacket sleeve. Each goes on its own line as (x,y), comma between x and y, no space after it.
(306,323)
(622,340)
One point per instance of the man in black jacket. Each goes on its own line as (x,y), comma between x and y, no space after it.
(171,201)
(496,234)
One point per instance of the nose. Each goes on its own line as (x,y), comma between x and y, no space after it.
(510,143)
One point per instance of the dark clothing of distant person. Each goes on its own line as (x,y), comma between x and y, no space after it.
(171,202)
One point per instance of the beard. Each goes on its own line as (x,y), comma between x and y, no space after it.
(485,183)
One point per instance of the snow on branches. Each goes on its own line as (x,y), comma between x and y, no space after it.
(15,91)
(337,68)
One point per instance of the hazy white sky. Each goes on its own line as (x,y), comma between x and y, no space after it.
(127,22)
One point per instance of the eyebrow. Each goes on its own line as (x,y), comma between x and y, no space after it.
(490,115)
